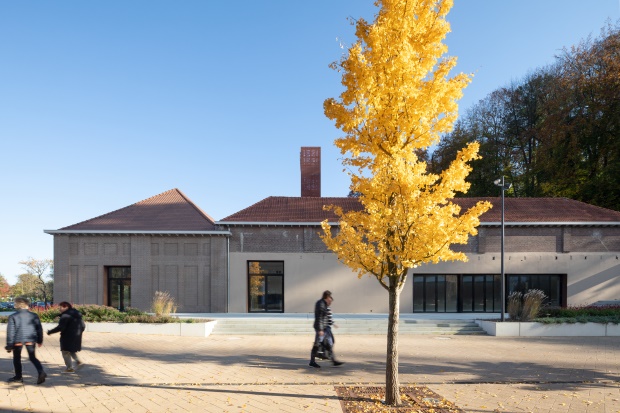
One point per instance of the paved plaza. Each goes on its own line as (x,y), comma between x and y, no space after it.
(138,373)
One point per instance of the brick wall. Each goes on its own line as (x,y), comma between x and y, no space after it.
(277,239)
(285,239)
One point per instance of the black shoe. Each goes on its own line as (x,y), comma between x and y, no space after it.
(314,364)
(16,380)
(338,363)
(41,378)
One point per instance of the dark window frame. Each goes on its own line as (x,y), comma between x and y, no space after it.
(122,279)
(488,306)
(267,276)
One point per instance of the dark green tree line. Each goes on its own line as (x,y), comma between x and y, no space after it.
(556,132)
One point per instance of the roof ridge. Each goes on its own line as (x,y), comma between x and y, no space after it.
(196,207)
(161,198)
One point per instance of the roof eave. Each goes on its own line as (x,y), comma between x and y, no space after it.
(271,223)
(554,224)
(128,232)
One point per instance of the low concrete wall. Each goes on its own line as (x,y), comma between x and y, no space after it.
(530,329)
(168,329)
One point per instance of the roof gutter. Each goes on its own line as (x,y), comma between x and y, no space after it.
(554,224)
(138,232)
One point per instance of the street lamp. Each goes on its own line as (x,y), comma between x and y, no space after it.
(502,184)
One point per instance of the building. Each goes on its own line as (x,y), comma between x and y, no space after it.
(269,258)
(164,243)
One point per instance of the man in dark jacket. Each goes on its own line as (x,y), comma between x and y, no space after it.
(71,327)
(323,322)
(24,329)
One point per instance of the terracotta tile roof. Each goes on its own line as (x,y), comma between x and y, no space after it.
(310,209)
(168,211)
(292,209)
(542,210)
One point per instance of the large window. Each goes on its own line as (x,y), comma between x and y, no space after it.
(435,293)
(480,293)
(453,293)
(266,286)
(550,284)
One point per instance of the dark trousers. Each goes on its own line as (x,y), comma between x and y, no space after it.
(17,359)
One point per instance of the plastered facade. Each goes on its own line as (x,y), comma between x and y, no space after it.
(587,256)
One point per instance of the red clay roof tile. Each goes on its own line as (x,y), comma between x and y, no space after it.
(310,209)
(168,211)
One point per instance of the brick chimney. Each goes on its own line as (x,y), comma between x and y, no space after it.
(310,162)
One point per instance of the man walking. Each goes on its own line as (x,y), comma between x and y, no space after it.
(24,330)
(323,321)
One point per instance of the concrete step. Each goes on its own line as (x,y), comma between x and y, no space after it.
(301,326)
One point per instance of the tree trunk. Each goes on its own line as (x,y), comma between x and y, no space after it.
(392,384)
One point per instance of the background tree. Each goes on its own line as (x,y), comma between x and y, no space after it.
(5,288)
(582,155)
(397,101)
(41,269)
(26,286)
(556,132)
(49,290)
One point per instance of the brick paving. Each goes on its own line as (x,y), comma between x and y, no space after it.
(135,373)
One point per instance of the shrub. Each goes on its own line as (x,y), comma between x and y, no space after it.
(576,311)
(525,307)
(532,303)
(515,304)
(100,313)
(163,304)
(584,319)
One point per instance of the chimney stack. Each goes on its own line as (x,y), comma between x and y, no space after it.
(310,161)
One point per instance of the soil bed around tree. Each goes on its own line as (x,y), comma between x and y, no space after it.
(418,399)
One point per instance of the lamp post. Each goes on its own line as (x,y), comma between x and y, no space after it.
(502,184)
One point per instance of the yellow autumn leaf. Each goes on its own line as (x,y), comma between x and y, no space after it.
(398,99)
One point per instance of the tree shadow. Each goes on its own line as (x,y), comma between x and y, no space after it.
(266,363)
(427,370)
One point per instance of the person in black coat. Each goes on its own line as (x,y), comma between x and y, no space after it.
(323,322)
(24,330)
(71,327)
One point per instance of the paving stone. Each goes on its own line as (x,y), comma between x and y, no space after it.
(257,374)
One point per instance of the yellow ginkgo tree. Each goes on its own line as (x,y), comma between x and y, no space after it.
(398,99)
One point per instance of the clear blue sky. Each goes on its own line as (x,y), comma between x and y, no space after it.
(103,104)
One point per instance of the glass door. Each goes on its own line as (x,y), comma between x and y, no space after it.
(266,286)
(119,287)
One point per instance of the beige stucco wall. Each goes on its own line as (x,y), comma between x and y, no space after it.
(306,276)
(591,277)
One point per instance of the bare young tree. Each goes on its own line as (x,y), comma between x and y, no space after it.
(40,269)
